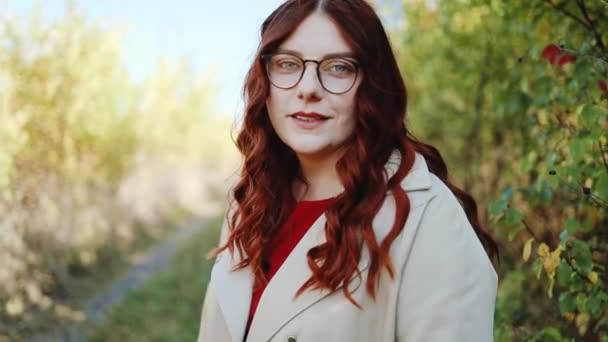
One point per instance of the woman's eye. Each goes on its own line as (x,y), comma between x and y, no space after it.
(288,65)
(340,68)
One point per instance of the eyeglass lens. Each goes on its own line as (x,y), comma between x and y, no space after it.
(337,75)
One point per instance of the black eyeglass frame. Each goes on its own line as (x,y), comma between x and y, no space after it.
(266,58)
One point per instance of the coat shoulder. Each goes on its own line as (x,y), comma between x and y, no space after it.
(437,222)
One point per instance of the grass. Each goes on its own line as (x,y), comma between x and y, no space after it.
(168,306)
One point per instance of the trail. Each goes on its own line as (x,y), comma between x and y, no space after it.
(151,262)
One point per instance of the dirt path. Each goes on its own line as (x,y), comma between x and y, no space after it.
(151,262)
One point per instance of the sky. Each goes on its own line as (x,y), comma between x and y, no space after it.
(217,36)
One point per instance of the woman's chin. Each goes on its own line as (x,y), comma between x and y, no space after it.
(313,151)
(309,149)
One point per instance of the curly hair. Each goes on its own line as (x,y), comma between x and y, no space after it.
(264,191)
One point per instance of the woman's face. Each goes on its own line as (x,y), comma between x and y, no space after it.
(307,134)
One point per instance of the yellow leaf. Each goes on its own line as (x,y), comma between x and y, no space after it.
(551,283)
(543,249)
(557,252)
(542,117)
(527,249)
(570,316)
(589,182)
(592,277)
(582,321)
(551,261)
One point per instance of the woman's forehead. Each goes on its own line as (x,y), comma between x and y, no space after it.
(316,37)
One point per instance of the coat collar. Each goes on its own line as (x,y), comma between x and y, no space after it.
(419,177)
(233,288)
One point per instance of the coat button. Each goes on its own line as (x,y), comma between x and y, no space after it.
(291,339)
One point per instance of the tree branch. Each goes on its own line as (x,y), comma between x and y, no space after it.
(591,25)
(561,9)
(529,229)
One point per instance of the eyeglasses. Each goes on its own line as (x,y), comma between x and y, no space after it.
(337,75)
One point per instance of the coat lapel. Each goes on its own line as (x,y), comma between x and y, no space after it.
(234,289)
(271,316)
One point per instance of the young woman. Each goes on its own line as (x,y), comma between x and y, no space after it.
(342,226)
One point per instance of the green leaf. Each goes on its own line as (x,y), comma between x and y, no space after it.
(577,283)
(601,187)
(588,225)
(583,69)
(576,172)
(577,148)
(564,273)
(581,301)
(566,302)
(552,181)
(507,193)
(512,233)
(590,115)
(573,86)
(549,334)
(527,163)
(497,207)
(563,237)
(571,225)
(513,216)
(552,158)
(595,305)
(582,255)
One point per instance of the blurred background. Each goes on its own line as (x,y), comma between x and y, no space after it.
(116,126)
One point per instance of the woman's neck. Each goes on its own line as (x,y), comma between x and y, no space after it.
(321,176)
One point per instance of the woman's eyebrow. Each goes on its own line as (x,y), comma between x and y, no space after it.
(329,55)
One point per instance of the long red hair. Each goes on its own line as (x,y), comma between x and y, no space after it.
(264,195)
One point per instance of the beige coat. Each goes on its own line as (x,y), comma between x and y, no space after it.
(444,288)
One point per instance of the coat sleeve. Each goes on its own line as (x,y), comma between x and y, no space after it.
(448,286)
(204,317)
(209,304)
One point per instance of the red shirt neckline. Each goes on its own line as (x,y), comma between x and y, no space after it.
(319,201)
(301,219)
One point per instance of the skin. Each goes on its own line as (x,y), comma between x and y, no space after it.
(319,149)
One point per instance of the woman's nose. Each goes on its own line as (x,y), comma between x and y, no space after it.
(310,84)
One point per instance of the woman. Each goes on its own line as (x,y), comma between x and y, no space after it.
(342,227)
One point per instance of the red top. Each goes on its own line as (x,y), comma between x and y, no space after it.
(297,224)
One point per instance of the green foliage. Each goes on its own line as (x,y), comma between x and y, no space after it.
(90,159)
(511,93)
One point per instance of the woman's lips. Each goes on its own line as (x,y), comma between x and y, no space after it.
(308,121)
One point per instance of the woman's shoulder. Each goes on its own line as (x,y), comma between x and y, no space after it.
(444,234)
(436,220)
(422,186)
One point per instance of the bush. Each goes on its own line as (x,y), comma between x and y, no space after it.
(514,94)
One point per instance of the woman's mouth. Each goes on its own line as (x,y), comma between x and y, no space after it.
(308,120)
